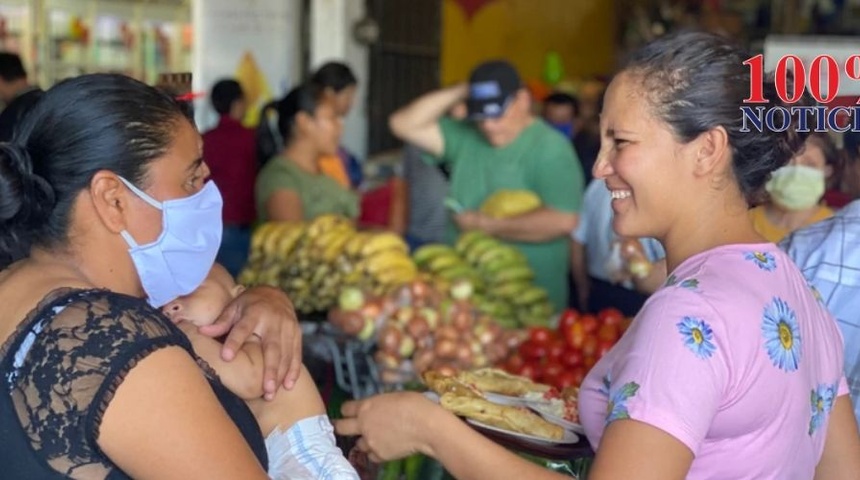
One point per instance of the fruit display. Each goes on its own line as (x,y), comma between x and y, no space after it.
(510,203)
(416,328)
(562,357)
(499,274)
(313,261)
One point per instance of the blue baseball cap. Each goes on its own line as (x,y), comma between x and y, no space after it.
(492,86)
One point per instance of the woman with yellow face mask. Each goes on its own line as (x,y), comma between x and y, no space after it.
(796,190)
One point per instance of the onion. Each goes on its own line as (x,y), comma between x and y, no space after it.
(447,332)
(387,361)
(444,369)
(446,348)
(464,354)
(419,289)
(404,315)
(353,323)
(424,342)
(432,317)
(422,360)
(390,339)
(371,309)
(417,327)
(463,321)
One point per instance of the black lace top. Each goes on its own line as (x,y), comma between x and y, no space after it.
(61,368)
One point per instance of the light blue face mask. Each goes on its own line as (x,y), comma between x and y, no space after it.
(178,261)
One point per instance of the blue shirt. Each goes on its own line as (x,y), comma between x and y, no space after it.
(595,232)
(828,254)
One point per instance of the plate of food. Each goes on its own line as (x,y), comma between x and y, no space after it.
(567,438)
(558,407)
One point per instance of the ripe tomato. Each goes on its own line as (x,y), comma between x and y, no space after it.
(555,349)
(568,318)
(625,324)
(578,374)
(531,350)
(541,335)
(572,357)
(515,364)
(550,372)
(603,347)
(589,362)
(611,316)
(530,370)
(575,335)
(566,379)
(589,323)
(589,347)
(609,332)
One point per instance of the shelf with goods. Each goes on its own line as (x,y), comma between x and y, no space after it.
(139,39)
(16,27)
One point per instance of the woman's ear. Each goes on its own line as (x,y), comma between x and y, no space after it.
(110,200)
(304,122)
(712,151)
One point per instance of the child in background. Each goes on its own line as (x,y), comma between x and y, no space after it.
(299,436)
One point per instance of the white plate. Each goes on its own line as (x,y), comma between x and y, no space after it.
(568,438)
(507,400)
(549,417)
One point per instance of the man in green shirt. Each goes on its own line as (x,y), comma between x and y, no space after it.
(502,146)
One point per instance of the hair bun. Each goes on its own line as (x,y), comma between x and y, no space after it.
(25,197)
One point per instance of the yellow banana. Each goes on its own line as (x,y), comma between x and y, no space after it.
(287,242)
(396,276)
(387,260)
(383,242)
(332,251)
(355,244)
(259,236)
(334,234)
(279,229)
(324,223)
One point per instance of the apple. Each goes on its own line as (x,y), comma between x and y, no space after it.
(350,299)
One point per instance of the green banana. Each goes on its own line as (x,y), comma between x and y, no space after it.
(464,243)
(521,274)
(502,252)
(423,255)
(530,296)
(444,262)
(456,272)
(479,248)
(500,264)
(508,290)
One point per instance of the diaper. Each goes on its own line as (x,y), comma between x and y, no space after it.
(307,451)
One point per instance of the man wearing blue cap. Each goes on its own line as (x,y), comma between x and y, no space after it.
(828,254)
(502,146)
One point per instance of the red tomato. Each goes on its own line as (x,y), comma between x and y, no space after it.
(611,316)
(589,347)
(531,350)
(603,347)
(530,370)
(625,324)
(578,374)
(550,372)
(541,335)
(575,335)
(568,318)
(555,349)
(572,357)
(567,379)
(589,323)
(589,362)
(515,364)
(609,332)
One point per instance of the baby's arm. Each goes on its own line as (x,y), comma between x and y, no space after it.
(243,375)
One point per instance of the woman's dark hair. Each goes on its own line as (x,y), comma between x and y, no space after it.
(697,81)
(224,94)
(79,127)
(334,75)
(304,98)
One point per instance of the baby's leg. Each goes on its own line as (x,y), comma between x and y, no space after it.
(299,436)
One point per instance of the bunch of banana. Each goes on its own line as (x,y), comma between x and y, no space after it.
(510,295)
(382,263)
(445,264)
(271,244)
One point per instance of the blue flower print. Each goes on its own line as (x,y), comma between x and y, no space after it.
(690,284)
(698,336)
(765,260)
(821,401)
(781,335)
(616,409)
(672,280)
(607,381)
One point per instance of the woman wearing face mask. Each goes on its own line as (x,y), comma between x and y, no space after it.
(105,215)
(795,191)
(291,186)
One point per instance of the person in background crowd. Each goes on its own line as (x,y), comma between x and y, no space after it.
(16,93)
(338,85)
(835,197)
(597,264)
(229,149)
(291,187)
(795,190)
(106,215)
(734,368)
(586,135)
(561,111)
(850,178)
(426,188)
(828,255)
(502,146)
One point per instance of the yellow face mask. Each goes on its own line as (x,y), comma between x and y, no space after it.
(796,187)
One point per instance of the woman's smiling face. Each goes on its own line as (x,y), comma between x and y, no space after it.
(641,161)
